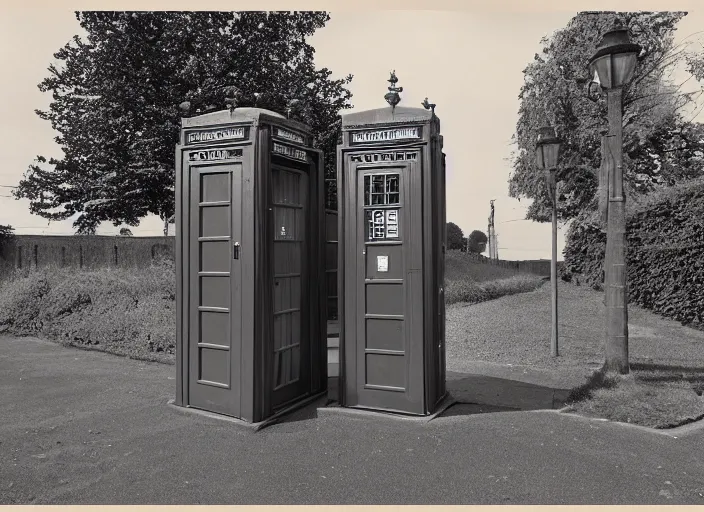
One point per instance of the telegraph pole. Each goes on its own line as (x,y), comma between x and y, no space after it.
(491,235)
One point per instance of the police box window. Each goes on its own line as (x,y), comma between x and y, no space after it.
(381,189)
(380,192)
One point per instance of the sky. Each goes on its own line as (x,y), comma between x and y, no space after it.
(469,63)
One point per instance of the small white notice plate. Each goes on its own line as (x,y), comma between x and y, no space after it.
(382,263)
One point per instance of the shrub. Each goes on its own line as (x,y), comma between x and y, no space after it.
(665,236)
(467,290)
(127,312)
(21,300)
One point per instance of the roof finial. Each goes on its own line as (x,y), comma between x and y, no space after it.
(392,97)
(428,106)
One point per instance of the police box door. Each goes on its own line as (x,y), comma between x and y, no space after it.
(384,365)
(290,206)
(219,245)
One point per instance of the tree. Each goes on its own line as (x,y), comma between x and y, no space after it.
(125,232)
(455,236)
(6,233)
(476,242)
(659,143)
(116,98)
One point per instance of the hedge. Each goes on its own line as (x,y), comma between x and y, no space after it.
(665,252)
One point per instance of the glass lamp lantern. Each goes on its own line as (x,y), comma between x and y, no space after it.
(547,148)
(615,59)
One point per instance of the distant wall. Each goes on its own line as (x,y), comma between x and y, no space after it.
(539,267)
(95,251)
(83,251)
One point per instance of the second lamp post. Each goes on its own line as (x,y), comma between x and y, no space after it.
(547,152)
(614,64)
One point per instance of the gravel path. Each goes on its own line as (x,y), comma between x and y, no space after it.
(516,330)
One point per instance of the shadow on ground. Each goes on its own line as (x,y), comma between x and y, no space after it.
(461,409)
(504,393)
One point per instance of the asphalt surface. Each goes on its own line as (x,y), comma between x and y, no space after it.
(81,427)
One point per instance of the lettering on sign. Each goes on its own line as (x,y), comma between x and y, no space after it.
(215,135)
(290,152)
(214,154)
(385,157)
(288,135)
(386,135)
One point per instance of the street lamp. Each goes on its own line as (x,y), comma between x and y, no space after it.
(614,64)
(546,153)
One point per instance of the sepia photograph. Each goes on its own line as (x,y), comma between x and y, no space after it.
(372,254)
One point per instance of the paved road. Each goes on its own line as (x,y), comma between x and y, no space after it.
(82,427)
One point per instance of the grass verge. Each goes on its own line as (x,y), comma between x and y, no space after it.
(124,312)
(667,359)
(659,399)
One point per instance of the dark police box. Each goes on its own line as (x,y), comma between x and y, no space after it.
(251,306)
(391,197)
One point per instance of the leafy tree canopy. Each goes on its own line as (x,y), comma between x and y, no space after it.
(661,146)
(455,236)
(476,241)
(6,234)
(6,231)
(116,97)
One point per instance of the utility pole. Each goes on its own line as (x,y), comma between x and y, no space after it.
(491,235)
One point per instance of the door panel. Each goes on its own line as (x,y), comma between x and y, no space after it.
(215,287)
(291,358)
(384,241)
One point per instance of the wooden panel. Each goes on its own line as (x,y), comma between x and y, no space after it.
(215,291)
(287,329)
(384,334)
(214,328)
(384,299)
(214,366)
(331,255)
(386,370)
(287,223)
(287,293)
(286,188)
(287,258)
(295,363)
(215,256)
(215,221)
(215,187)
(392,255)
(331,287)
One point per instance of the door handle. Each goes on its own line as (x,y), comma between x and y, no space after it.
(236,251)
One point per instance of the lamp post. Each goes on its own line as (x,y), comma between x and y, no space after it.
(546,152)
(614,64)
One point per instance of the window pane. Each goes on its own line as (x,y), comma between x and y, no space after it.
(382,224)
